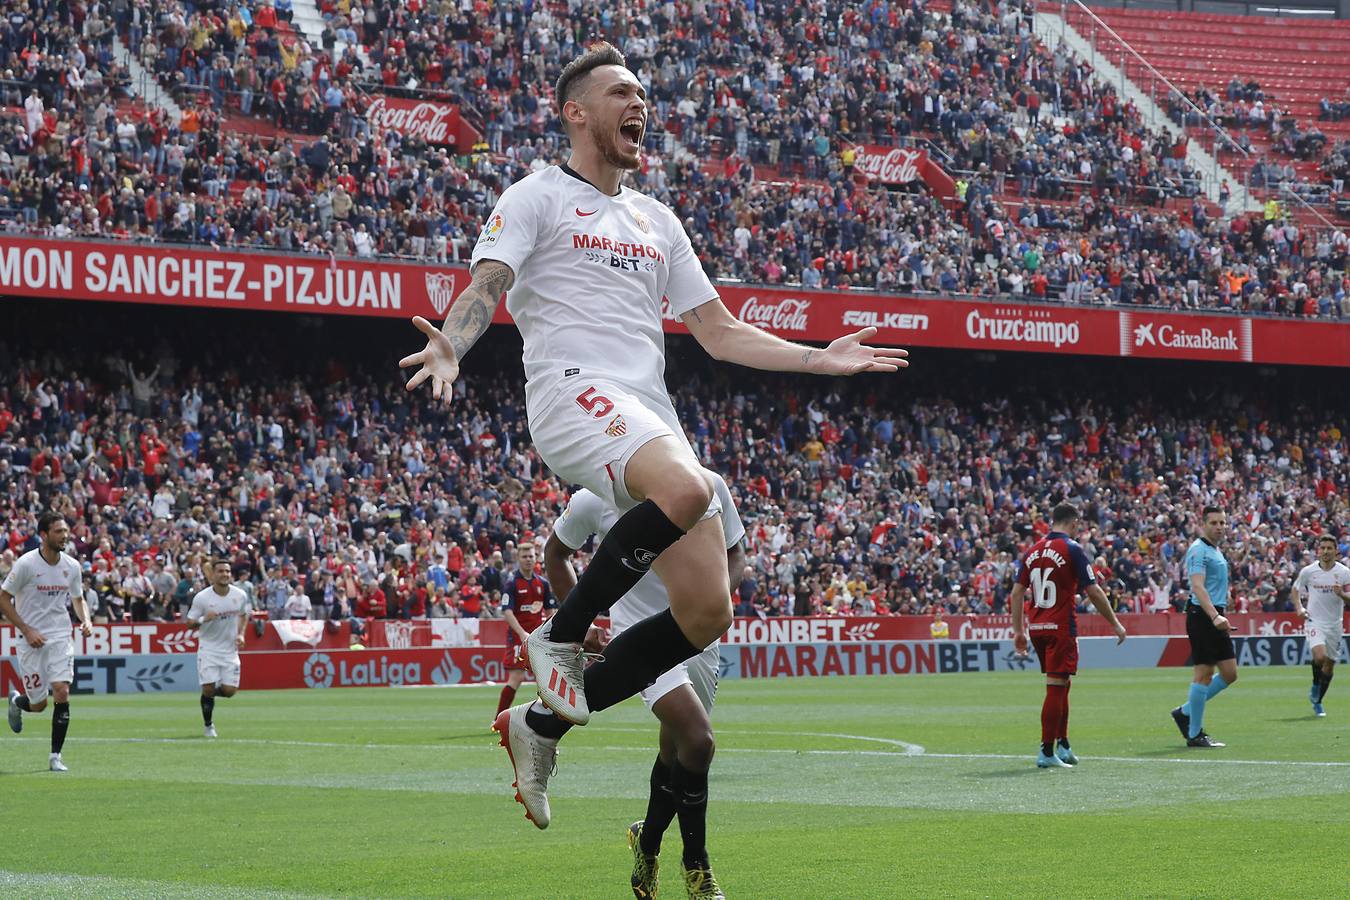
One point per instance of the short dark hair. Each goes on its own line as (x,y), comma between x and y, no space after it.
(1064,513)
(47,520)
(1328,539)
(1209,511)
(601,53)
(218,561)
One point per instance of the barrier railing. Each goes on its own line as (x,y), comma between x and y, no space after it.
(1172,99)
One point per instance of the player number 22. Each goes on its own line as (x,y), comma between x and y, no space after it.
(597,405)
(1042,588)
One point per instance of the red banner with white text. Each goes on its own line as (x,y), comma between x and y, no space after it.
(806,630)
(427,120)
(189,277)
(149,638)
(902,165)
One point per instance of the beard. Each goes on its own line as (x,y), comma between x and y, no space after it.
(608,146)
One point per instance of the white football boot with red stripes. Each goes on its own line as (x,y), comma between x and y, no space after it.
(558,672)
(533,757)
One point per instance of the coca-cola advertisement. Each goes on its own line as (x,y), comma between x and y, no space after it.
(435,123)
(776,314)
(903,165)
(892,165)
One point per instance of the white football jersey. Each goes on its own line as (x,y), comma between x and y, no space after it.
(586,514)
(42,591)
(217,637)
(591,273)
(1315,585)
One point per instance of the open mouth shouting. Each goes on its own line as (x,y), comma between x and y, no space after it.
(630,133)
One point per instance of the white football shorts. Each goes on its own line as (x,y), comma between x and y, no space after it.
(586,431)
(218,670)
(1326,634)
(700,673)
(41,667)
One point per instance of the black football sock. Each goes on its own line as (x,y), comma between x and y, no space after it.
(660,808)
(1064,742)
(60,722)
(1317,674)
(23,704)
(632,662)
(623,557)
(1047,749)
(1326,685)
(691,803)
(635,659)
(542,720)
(208,708)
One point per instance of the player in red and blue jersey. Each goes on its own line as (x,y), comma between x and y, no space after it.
(527,601)
(1055,571)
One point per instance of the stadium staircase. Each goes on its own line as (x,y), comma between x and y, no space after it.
(144,84)
(1051,28)
(305,17)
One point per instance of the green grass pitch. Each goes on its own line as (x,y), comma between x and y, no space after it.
(918,786)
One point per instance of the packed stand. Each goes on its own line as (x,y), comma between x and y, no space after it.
(1013,119)
(338,495)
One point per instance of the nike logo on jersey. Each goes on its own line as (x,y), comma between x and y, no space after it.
(584,214)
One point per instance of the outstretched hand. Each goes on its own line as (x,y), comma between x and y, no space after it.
(848,355)
(438,362)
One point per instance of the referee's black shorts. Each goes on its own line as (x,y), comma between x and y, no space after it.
(1209,645)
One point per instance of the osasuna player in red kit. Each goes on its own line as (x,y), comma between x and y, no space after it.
(526,601)
(587,265)
(1055,570)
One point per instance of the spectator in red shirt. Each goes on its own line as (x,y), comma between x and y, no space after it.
(471,598)
(416,607)
(454,561)
(371,604)
(265,16)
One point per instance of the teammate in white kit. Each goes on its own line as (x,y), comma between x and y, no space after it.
(220,612)
(44,581)
(1325,587)
(681,699)
(587,264)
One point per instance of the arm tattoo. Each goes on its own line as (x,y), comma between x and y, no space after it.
(806,357)
(472,313)
(694,313)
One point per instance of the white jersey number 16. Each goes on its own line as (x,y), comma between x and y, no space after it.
(1042,588)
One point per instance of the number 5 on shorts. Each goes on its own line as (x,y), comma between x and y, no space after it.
(597,405)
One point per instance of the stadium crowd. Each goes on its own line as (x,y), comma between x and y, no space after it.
(1061,186)
(337,495)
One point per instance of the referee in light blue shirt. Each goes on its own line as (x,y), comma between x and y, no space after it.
(1207,628)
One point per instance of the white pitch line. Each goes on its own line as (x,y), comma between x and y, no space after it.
(907,751)
(907,748)
(63,884)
